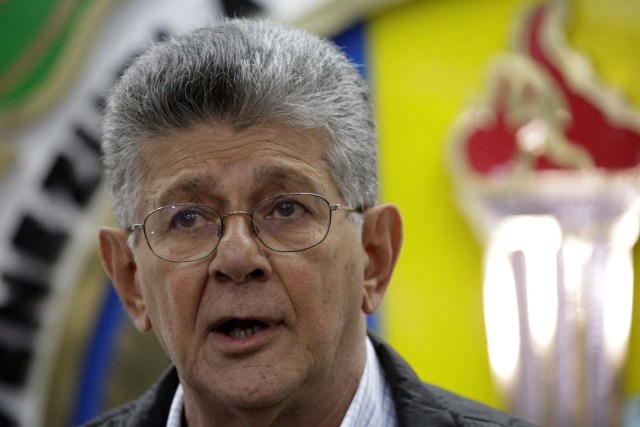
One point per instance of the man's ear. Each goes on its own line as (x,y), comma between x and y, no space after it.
(381,239)
(120,266)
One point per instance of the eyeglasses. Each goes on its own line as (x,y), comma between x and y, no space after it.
(188,232)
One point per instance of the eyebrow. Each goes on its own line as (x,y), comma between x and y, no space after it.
(288,179)
(193,187)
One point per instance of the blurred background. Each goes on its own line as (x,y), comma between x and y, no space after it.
(67,350)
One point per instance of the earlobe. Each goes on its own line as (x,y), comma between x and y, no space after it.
(120,265)
(382,240)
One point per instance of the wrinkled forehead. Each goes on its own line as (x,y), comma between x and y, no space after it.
(214,162)
(238,182)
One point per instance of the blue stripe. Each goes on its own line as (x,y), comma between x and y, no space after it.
(353,42)
(98,360)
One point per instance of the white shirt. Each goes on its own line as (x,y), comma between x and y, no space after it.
(372,405)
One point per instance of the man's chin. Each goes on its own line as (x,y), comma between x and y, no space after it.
(252,388)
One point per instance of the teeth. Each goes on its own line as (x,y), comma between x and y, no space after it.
(238,333)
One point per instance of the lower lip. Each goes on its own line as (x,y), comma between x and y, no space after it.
(244,345)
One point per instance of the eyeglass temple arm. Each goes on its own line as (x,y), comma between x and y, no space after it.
(340,207)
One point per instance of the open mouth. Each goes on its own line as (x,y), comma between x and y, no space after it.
(237,329)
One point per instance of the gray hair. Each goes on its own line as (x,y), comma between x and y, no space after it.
(241,72)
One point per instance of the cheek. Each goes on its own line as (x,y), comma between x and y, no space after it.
(172,293)
(326,289)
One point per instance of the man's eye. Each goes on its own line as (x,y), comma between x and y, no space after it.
(185,219)
(285,208)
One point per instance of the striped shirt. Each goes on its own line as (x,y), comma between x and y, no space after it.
(372,405)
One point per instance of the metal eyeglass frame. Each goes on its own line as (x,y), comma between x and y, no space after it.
(332,207)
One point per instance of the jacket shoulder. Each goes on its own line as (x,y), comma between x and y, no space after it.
(467,412)
(420,404)
(115,417)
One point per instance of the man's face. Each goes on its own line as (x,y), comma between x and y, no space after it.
(309,304)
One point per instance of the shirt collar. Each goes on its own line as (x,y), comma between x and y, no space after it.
(177,405)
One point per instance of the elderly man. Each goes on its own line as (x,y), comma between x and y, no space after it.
(241,159)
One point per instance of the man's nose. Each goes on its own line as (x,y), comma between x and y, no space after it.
(239,257)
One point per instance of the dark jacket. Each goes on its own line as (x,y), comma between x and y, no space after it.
(417,403)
